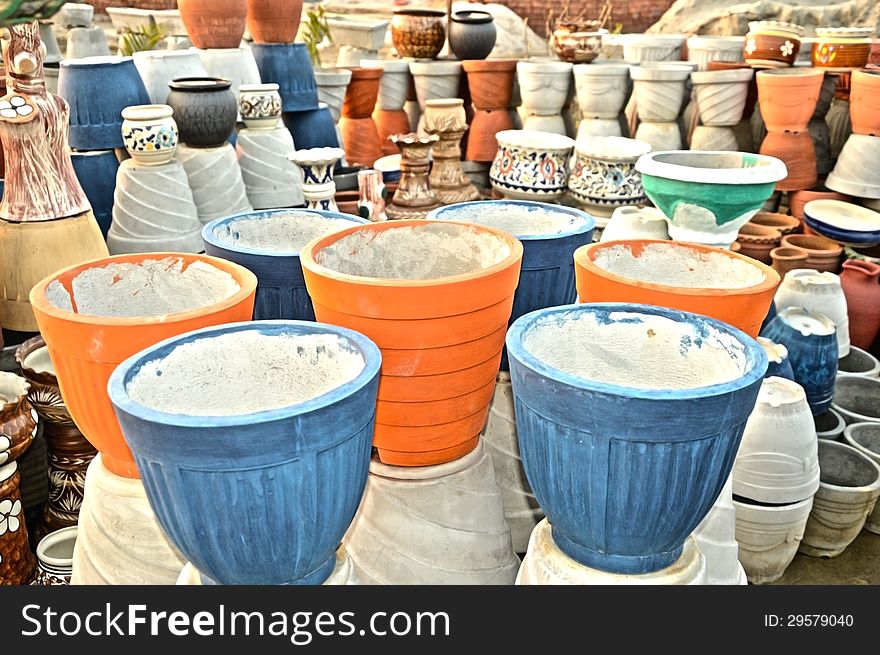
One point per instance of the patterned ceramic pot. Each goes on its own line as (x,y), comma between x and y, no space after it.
(842,48)
(259,105)
(418,33)
(150,134)
(55,557)
(531,165)
(772,44)
(604,173)
(17,562)
(205,108)
(317,169)
(18,421)
(579,46)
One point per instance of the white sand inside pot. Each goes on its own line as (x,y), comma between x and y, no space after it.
(679,266)
(281,232)
(38,361)
(519,220)
(12,387)
(636,350)
(150,287)
(245,372)
(423,252)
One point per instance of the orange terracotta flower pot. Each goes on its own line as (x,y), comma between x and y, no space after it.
(362,92)
(214,23)
(388,122)
(864,102)
(743,307)
(85,349)
(788,97)
(783,222)
(490,81)
(274,21)
(798,153)
(441,337)
(360,138)
(822,254)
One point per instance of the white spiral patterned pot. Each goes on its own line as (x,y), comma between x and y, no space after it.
(659,91)
(851,175)
(604,172)
(149,134)
(652,47)
(703,49)
(259,105)
(531,165)
(721,95)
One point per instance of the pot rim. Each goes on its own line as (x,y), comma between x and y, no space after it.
(200,83)
(788,507)
(773,171)
(471,17)
(843,411)
(434,67)
(825,322)
(530,67)
(307,256)
(730,75)
(793,28)
(147,112)
(23,351)
(771,75)
(846,32)
(256,88)
(589,222)
(818,211)
(315,156)
(597,147)
(836,252)
(582,258)
(534,140)
(18,386)
(246,280)
(50,540)
(95,62)
(754,353)
(121,376)
(403,11)
(868,488)
(852,428)
(209,237)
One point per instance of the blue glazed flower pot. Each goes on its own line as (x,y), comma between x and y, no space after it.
(96,172)
(288,65)
(313,128)
(281,289)
(97,90)
(262,497)
(547,275)
(628,429)
(811,341)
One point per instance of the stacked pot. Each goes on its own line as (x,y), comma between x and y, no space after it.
(389,115)
(602,92)
(491,88)
(544,88)
(721,100)
(360,136)
(659,92)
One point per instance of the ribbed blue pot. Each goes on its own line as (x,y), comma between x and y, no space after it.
(625,474)
(813,356)
(281,289)
(312,128)
(97,90)
(546,278)
(288,65)
(260,498)
(96,172)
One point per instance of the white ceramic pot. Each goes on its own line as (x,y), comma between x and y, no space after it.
(709,138)
(721,95)
(652,47)
(158,67)
(270,181)
(858,362)
(590,127)
(531,165)
(661,136)
(366,33)
(604,172)
(865,437)
(703,49)
(819,292)
(435,80)
(259,105)
(75,14)
(316,166)
(659,91)
(716,538)
(602,89)
(215,179)
(847,494)
(55,557)
(769,537)
(636,223)
(850,175)
(332,84)
(149,133)
(543,86)
(394,85)
(777,461)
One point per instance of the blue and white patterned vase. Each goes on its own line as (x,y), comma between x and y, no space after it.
(531,165)
(150,134)
(317,165)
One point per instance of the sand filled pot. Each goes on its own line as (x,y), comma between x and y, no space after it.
(857,398)
(436,297)
(132,301)
(865,437)
(192,407)
(268,244)
(650,401)
(718,283)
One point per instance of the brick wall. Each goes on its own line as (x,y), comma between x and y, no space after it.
(634,15)
(101,5)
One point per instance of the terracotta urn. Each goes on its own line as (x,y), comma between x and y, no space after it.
(757,241)
(822,254)
(214,24)
(859,280)
(864,102)
(491,85)
(274,21)
(772,44)
(418,33)
(788,97)
(359,133)
(841,48)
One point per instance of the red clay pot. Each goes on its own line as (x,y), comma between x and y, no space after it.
(360,139)
(362,92)
(822,254)
(783,222)
(274,21)
(214,23)
(798,153)
(788,97)
(859,280)
(788,258)
(864,102)
(490,82)
(482,145)
(388,122)
(756,241)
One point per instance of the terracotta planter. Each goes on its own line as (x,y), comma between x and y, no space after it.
(756,241)
(362,92)
(864,102)
(490,82)
(797,200)
(390,122)
(274,21)
(214,23)
(418,33)
(637,272)
(862,291)
(783,222)
(441,330)
(822,254)
(788,258)
(798,153)
(841,48)
(788,97)
(361,140)
(83,365)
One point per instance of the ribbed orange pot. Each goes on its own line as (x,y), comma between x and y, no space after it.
(362,92)
(214,23)
(86,349)
(788,97)
(388,122)
(490,82)
(360,138)
(441,341)
(864,102)
(744,308)
(482,144)
(798,153)
(274,21)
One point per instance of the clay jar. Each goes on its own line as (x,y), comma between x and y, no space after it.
(822,254)
(859,280)
(471,34)
(150,134)
(756,241)
(359,133)
(864,102)
(798,153)
(418,33)
(214,23)
(491,86)
(205,110)
(273,21)
(788,258)
(788,97)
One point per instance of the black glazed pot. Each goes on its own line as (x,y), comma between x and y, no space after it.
(472,34)
(205,110)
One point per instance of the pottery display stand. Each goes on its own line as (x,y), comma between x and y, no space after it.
(446,119)
(439,524)
(360,137)
(602,92)
(546,564)
(153,210)
(434,80)
(389,115)
(119,539)
(544,88)
(270,180)
(215,180)
(491,86)
(521,509)
(659,94)
(413,198)
(716,537)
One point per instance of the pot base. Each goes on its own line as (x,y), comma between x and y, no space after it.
(215,180)
(119,539)
(598,127)
(546,564)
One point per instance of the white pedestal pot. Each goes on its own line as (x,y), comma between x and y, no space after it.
(543,86)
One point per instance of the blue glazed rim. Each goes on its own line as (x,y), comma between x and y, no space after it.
(123,374)
(754,352)
(589,221)
(846,237)
(208,235)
